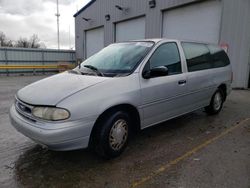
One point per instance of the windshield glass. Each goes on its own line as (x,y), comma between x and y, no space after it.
(117,59)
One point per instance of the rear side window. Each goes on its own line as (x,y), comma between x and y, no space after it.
(167,55)
(197,56)
(218,56)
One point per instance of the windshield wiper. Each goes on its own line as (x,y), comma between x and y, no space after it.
(94,69)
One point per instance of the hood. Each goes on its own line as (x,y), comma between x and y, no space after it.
(54,89)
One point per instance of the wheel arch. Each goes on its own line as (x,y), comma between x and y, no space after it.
(223,88)
(132,110)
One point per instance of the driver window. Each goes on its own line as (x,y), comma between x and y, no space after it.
(167,55)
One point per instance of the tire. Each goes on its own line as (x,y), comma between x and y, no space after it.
(216,103)
(112,134)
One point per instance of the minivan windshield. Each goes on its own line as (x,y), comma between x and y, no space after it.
(118,59)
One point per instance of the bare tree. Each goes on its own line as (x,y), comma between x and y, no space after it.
(4,41)
(22,43)
(32,42)
(2,38)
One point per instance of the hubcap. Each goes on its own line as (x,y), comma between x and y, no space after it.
(217,101)
(118,134)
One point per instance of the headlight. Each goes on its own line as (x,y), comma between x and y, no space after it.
(50,113)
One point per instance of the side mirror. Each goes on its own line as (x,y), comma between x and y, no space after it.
(155,72)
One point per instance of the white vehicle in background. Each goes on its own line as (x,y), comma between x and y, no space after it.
(123,88)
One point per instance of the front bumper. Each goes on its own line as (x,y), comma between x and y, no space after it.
(62,136)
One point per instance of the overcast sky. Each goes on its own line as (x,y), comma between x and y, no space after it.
(23,18)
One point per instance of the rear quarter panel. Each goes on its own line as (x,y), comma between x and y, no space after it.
(222,75)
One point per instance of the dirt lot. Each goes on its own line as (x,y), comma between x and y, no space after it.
(194,150)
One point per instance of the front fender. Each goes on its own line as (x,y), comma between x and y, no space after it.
(95,100)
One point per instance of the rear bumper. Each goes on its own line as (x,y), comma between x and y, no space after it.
(66,136)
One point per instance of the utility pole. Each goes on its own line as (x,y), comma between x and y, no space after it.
(69,38)
(58,33)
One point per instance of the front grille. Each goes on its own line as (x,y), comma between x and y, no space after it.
(24,109)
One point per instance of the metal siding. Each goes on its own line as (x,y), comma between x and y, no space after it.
(235,26)
(2,55)
(235,31)
(100,8)
(23,56)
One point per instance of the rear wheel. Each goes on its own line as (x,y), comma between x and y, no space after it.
(112,134)
(216,103)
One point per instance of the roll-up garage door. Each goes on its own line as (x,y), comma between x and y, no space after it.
(94,41)
(198,22)
(130,30)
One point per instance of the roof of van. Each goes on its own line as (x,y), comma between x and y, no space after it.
(156,40)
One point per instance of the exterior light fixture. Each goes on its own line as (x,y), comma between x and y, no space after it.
(86,19)
(123,9)
(107,17)
(152,3)
(119,7)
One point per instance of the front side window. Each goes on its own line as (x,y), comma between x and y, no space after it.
(167,55)
(117,59)
(197,56)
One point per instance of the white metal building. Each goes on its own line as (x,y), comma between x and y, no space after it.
(225,22)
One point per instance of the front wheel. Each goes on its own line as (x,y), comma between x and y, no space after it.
(216,103)
(113,134)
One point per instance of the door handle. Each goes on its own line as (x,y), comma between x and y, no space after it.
(182,82)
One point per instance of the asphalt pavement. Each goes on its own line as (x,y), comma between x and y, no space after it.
(195,150)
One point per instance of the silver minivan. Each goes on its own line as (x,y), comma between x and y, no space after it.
(123,88)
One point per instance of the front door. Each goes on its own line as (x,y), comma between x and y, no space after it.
(163,97)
